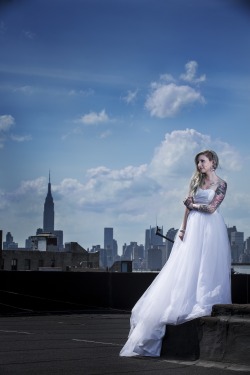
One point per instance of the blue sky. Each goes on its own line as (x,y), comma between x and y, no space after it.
(115,97)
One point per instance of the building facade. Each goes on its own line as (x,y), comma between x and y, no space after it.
(74,258)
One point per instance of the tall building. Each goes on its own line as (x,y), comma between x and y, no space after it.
(108,238)
(246,256)
(110,246)
(44,235)
(153,241)
(9,243)
(134,252)
(236,240)
(48,213)
(155,258)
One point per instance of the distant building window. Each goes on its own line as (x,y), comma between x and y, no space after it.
(27,264)
(14,265)
(40,263)
(2,264)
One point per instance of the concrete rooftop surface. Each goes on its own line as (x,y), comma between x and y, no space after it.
(85,343)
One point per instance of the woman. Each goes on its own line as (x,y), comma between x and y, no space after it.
(197,273)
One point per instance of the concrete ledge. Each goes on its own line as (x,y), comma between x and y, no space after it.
(234,309)
(226,334)
(182,342)
(223,337)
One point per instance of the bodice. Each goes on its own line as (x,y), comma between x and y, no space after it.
(204,196)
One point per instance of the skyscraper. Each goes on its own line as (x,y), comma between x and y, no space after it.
(109,245)
(152,239)
(108,238)
(154,246)
(47,234)
(48,213)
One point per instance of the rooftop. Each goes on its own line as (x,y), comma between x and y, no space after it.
(76,323)
(87,343)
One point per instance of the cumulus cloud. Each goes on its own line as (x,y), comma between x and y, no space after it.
(25,200)
(169,160)
(190,74)
(167,77)
(93,118)
(30,186)
(167,98)
(128,173)
(156,187)
(173,159)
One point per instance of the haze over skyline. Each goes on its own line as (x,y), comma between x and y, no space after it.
(115,98)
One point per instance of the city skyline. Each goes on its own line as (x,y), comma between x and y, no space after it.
(102,245)
(115,98)
(152,254)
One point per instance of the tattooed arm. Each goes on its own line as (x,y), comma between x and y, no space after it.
(219,195)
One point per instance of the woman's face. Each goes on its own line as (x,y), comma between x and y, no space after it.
(204,165)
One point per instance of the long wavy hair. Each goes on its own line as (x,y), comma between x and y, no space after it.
(198,177)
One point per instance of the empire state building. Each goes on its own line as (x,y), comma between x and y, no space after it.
(48,213)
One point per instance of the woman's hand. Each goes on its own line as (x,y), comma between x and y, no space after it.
(189,202)
(181,235)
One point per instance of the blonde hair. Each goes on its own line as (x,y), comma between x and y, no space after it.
(198,177)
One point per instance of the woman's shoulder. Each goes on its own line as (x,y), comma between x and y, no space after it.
(221,186)
(221,182)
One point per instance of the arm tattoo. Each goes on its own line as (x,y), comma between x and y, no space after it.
(219,195)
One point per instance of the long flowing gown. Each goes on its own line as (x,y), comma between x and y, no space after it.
(195,277)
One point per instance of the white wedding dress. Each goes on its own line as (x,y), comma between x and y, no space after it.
(196,276)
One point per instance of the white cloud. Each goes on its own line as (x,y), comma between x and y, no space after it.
(6,122)
(31,186)
(174,157)
(85,93)
(167,77)
(130,97)
(24,89)
(93,118)
(167,97)
(105,134)
(167,100)
(127,173)
(190,74)
(21,138)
